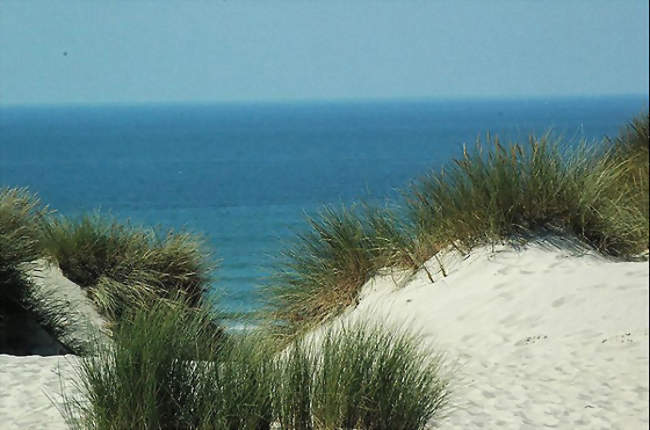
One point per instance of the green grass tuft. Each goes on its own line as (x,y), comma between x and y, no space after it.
(322,272)
(21,214)
(519,190)
(359,376)
(634,139)
(595,192)
(168,368)
(123,265)
(631,148)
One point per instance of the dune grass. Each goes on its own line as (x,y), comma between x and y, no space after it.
(631,148)
(322,270)
(152,375)
(597,192)
(19,220)
(21,214)
(123,265)
(633,140)
(515,190)
(169,366)
(359,376)
(168,369)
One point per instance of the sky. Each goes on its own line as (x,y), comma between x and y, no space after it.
(136,51)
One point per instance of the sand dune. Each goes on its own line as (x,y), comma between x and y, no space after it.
(29,391)
(547,335)
(84,319)
(550,335)
(30,386)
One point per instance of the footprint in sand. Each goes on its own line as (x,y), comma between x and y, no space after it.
(621,338)
(531,339)
(559,302)
(503,271)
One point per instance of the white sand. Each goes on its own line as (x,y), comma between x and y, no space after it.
(547,336)
(84,319)
(30,386)
(30,391)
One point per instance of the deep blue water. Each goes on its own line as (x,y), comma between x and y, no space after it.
(244,174)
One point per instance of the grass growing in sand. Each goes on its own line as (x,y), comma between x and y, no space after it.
(122,265)
(167,368)
(323,269)
(597,193)
(631,148)
(169,364)
(359,376)
(21,214)
(515,190)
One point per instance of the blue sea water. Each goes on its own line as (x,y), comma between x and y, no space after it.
(244,175)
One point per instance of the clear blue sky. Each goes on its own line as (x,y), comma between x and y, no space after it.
(204,51)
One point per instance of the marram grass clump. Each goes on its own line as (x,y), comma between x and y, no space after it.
(631,149)
(167,368)
(322,271)
(123,265)
(633,141)
(21,214)
(489,195)
(359,376)
(594,191)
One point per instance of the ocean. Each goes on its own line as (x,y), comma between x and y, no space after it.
(244,175)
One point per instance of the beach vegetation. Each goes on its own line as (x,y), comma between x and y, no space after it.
(21,215)
(519,190)
(321,272)
(122,265)
(359,376)
(593,191)
(166,368)
(632,140)
(631,149)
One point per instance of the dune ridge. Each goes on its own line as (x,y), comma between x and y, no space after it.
(549,334)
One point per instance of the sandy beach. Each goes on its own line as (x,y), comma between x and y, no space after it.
(339,215)
(546,335)
(30,391)
(550,335)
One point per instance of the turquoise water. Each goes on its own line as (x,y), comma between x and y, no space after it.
(244,175)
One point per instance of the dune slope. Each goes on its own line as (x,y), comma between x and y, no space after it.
(546,335)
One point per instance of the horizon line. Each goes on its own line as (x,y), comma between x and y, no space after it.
(361,100)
